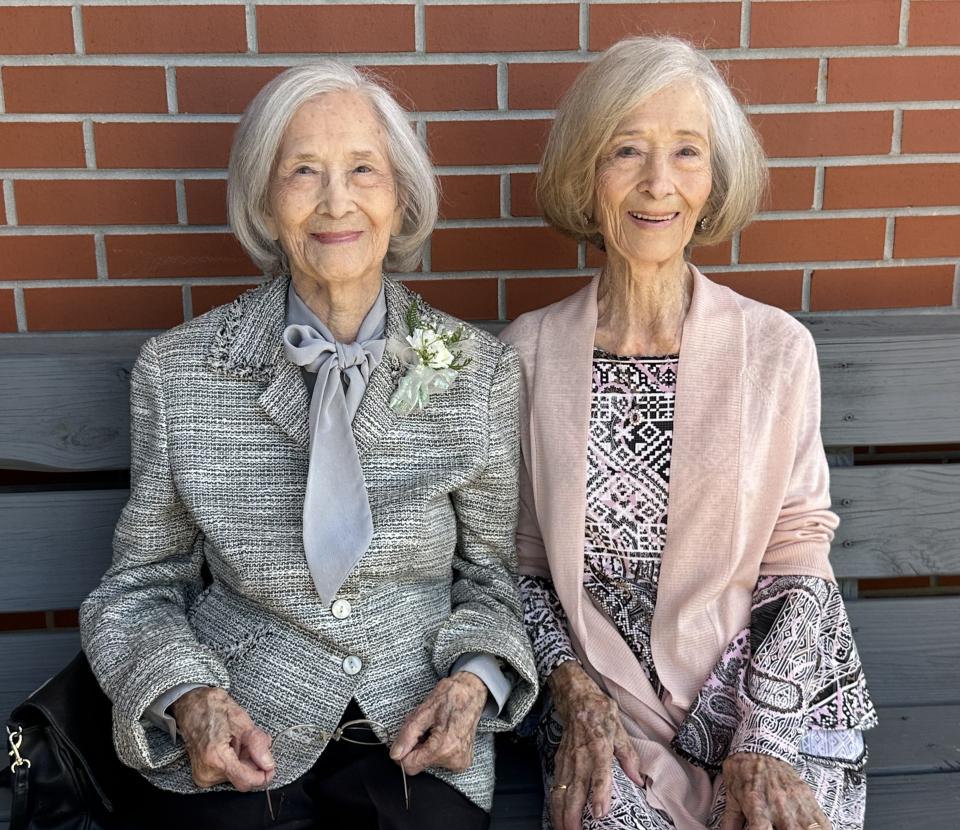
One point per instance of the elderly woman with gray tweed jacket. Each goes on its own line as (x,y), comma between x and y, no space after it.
(313,583)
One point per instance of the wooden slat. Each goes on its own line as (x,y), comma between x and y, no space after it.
(56,546)
(896,520)
(909,649)
(914,801)
(889,380)
(65,402)
(915,739)
(30,658)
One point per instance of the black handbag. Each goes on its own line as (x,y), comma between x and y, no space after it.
(64,773)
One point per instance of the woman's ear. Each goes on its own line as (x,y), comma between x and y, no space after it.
(271,225)
(397,225)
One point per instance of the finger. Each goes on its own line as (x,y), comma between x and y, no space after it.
(245,776)
(417,724)
(427,754)
(600,785)
(733,818)
(630,763)
(256,745)
(574,802)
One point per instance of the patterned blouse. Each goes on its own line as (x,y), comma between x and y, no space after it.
(789,683)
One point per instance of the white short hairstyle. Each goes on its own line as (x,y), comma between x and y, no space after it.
(257,141)
(626,74)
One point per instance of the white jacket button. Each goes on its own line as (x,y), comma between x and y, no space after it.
(352,664)
(341,609)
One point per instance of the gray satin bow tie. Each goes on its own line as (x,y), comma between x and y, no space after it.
(337,524)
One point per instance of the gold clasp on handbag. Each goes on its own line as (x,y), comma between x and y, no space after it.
(16,738)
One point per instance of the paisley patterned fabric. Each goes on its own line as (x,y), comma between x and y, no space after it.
(790,685)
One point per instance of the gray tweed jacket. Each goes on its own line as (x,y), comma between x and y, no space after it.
(219,465)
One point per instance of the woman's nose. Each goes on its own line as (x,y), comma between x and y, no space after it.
(334,198)
(656,178)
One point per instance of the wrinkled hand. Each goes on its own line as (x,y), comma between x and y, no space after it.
(440,731)
(765,793)
(222,741)
(592,737)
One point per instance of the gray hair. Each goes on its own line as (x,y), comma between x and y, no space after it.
(258,138)
(626,74)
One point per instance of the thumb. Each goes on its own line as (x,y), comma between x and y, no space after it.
(258,748)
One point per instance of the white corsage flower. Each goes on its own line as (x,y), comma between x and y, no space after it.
(433,355)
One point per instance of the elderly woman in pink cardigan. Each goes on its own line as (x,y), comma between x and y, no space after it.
(675,520)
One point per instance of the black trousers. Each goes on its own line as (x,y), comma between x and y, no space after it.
(350,786)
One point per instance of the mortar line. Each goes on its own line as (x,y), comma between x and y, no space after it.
(76,17)
(250,20)
(89,146)
(888,234)
(746,9)
(10,202)
(904,22)
(20,308)
(100,251)
(173,103)
(806,286)
(181,191)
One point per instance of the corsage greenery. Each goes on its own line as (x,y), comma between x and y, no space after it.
(433,355)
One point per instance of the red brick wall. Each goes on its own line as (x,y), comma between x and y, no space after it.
(115,123)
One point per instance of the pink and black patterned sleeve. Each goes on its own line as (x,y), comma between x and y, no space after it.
(546,624)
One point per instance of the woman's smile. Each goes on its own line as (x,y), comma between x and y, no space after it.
(653,221)
(336,237)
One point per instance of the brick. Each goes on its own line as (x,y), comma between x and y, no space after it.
(469,197)
(527,294)
(891,583)
(523,194)
(47,257)
(8,312)
(206,201)
(177,255)
(825,23)
(206,297)
(782,81)
(466,299)
(791,188)
(22,621)
(848,288)
(934,23)
(103,308)
(508,28)
(41,145)
(157,29)
(487,142)
(36,30)
(930,131)
(539,86)
(89,202)
(85,89)
(812,240)
(163,145)
(489,249)
(221,89)
(712,254)
(325,28)
(709,25)
(825,133)
(948,580)
(68,618)
(783,289)
(908,78)
(438,88)
(888,185)
(926,236)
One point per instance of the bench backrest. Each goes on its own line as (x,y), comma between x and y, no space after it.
(887,381)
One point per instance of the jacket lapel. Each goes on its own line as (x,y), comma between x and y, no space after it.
(249,346)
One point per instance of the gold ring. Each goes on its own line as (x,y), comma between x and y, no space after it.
(815,826)
(557,787)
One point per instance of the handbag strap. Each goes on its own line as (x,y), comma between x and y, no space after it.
(15,739)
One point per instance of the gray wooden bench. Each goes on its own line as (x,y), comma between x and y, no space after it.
(888,381)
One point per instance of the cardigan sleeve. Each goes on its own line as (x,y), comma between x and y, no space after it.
(486,615)
(805,525)
(134,625)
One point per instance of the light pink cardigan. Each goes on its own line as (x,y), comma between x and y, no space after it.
(749,495)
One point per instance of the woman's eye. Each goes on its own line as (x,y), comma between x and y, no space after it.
(303,170)
(625,152)
(362,168)
(689,152)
